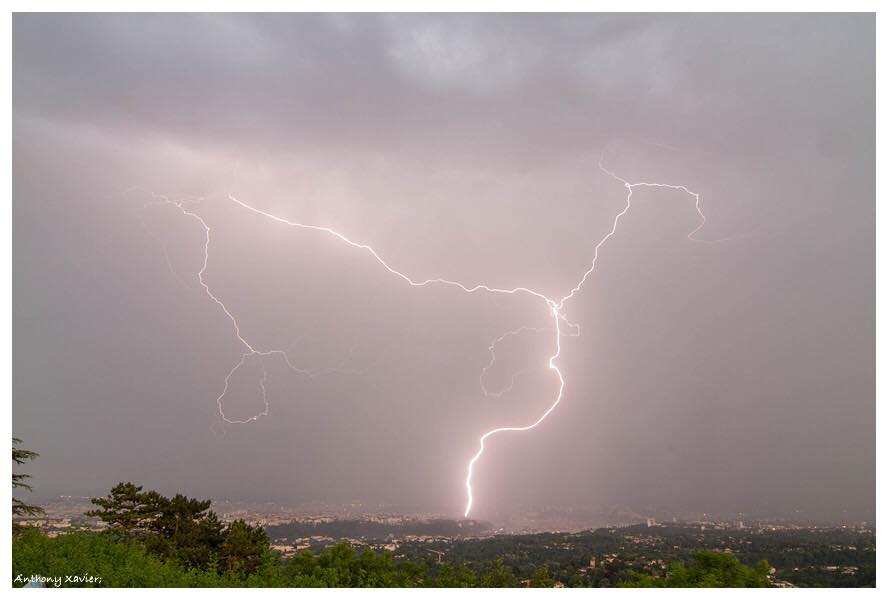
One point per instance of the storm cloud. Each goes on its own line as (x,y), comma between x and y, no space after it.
(732,376)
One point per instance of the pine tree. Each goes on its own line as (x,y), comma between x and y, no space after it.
(243,548)
(127,510)
(185,529)
(20,456)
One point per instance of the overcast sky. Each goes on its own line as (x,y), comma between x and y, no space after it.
(731,376)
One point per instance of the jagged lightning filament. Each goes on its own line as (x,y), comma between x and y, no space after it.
(554,309)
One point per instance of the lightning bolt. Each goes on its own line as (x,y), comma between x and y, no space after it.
(554,307)
(492,350)
(251,352)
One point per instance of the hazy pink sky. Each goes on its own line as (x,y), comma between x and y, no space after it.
(718,377)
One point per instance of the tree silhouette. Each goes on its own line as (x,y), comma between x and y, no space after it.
(127,510)
(20,456)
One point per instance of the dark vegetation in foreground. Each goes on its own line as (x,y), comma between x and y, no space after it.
(804,557)
(130,564)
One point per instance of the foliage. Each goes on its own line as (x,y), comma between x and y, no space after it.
(455,576)
(707,570)
(129,564)
(126,510)
(498,575)
(541,578)
(20,456)
(341,566)
(242,548)
(117,564)
(185,530)
(181,529)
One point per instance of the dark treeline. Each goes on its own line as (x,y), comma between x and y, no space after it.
(833,557)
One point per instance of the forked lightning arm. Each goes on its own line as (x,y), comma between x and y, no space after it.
(554,308)
(558,316)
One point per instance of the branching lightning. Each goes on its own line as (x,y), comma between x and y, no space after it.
(558,317)
(561,327)
(492,350)
(251,351)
